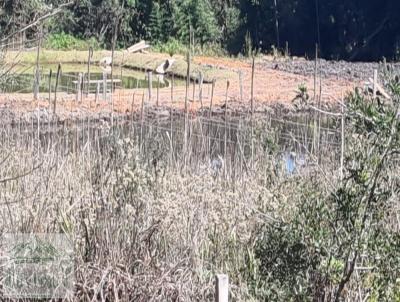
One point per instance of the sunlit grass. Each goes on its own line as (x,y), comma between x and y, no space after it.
(138,61)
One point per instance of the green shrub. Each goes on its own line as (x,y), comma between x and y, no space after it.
(174,46)
(341,222)
(63,41)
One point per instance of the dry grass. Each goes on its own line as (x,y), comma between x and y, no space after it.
(143,229)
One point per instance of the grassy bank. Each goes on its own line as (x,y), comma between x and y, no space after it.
(138,61)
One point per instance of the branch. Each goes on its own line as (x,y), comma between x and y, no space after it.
(40,19)
(346,276)
(21,175)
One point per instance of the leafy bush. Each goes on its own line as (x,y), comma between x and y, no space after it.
(340,224)
(174,46)
(63,41)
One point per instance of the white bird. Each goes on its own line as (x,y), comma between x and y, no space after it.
(164,67)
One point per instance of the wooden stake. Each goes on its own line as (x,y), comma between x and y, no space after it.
(150,78)
(194,90)
(171,114)
(78,88)
(82,86)
(88,70)
(55,91)
(226,125)
(132,106)
(375,83)
(50,75)
(201,79)
(172,89)
(141,122)
(114,41)
(37,74)
(252,112)
(186,106)
(315,72)
(241,85)
(287,49)
(342,144)
(104,86)
(97,92)
(226,98)
(158,91)
(211,98)
(252,86)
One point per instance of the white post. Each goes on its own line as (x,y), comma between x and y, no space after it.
(201,80)
(221,288)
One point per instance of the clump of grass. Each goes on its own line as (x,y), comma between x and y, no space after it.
(174,46)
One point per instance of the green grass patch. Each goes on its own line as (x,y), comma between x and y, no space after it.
(63,41)
(136,61)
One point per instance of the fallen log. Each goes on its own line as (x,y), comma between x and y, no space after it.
(138,47)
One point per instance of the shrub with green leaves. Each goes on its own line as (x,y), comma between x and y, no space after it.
(171,47)
(343,238)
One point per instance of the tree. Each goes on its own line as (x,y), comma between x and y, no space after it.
(16,14)
(155,24)
(199,15)
(355,30)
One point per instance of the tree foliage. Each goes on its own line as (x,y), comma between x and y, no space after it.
(356,30)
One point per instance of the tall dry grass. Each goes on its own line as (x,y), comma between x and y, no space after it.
(144,227)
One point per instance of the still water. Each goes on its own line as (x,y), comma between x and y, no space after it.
(23,80)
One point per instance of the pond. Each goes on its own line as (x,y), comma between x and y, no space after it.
(23,80)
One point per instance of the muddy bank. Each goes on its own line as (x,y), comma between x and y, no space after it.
(273,91)
(10,116)
(358,71)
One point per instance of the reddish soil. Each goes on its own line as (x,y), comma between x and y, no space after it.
(270,87)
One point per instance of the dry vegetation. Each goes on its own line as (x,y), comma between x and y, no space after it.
(153,216)
(151,223)
(145,225)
